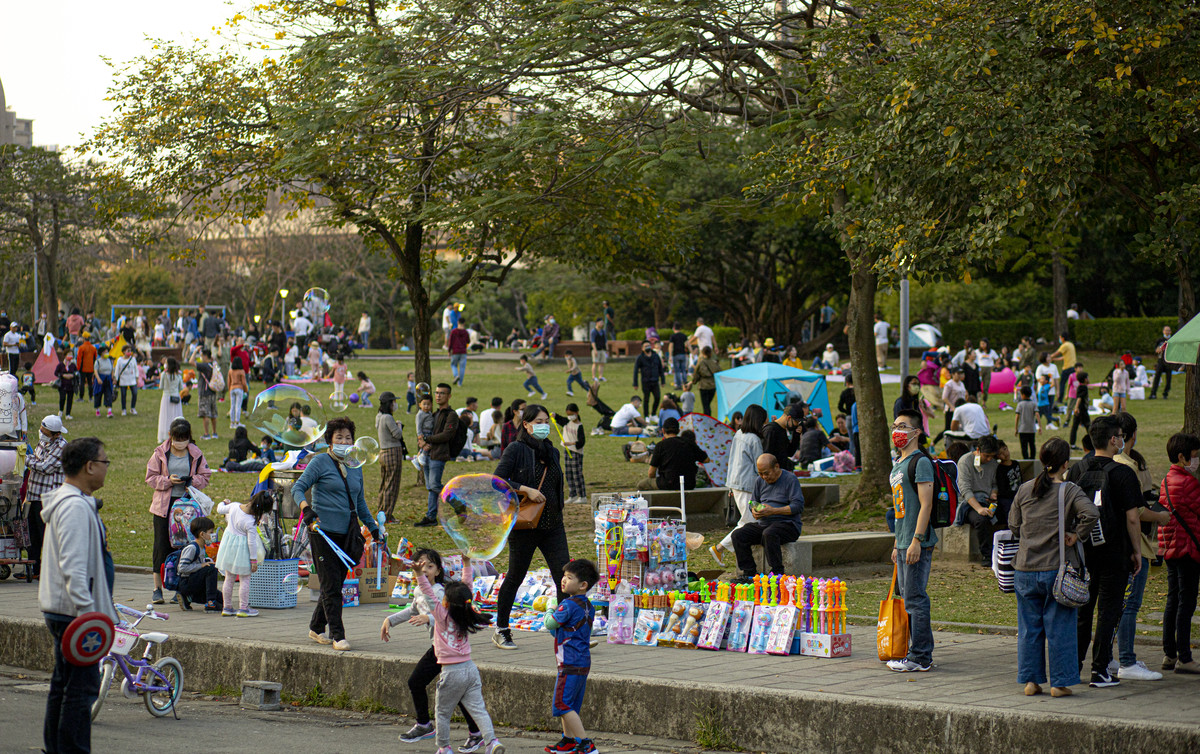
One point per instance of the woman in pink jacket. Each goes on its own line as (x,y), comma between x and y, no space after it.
(1179,545)
(174,466)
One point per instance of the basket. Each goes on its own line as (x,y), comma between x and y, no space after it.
(123,641)
(267,588)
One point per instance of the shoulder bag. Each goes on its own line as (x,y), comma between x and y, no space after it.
(1071,583)
(891,633)
(1182,523)
(529,513)
(356,543)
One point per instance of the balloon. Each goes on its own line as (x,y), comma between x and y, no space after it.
(478,512)
(1003,381)
(289,414)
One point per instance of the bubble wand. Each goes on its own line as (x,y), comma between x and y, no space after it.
(342,556)
(562,441)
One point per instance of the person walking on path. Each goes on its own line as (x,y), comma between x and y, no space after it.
(704,379)
(85,359)
(77,579)
(649,368)
(126,375)
(599,340)
(1043,508)
(458,341)
(391,454)
(66,375)
(364,330)
(678,343)
(1066,354)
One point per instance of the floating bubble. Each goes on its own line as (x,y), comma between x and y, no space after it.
(292,584)
(316,301)
(478,511)
(422,391)
(289,414)
(337,401)
(364,451)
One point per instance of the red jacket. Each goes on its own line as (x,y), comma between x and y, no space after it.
(1173,539)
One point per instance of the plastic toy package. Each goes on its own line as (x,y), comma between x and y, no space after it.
(649,623)
(760,629)
(715,630)
(740,615)
(403,590)
(620,619)
(783,630)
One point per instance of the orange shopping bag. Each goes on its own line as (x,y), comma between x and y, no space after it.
(891,636)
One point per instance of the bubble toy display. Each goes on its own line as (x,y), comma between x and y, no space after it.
(478,511)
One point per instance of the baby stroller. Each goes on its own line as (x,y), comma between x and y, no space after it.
(602,408)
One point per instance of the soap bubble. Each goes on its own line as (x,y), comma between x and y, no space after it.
(289,414)
(478,511)
(364,451)
(316,301)
(337,401)
(292,584)
(422,391)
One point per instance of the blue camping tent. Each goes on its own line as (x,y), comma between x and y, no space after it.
(771,386)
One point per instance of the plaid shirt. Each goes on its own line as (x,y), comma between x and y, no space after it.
(45,469)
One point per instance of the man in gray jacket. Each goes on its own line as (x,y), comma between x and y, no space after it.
(75,580)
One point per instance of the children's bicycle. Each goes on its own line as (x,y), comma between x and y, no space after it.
(159,683)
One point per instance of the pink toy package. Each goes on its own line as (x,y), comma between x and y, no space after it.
(716,623)
(783,630)
(760,629)
(620,619)
(740,614)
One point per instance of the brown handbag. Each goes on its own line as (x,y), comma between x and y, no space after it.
(529,513)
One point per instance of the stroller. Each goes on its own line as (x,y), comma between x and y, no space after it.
(602,408)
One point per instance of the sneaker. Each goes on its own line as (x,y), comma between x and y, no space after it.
(1138,672)
(248,612)
(603,379)
(228,612)
(157,597)
(495,747)
(530,394)
(184,602)
(341,645)
(908,666)
(1103,680)
(110,415)
(427,521)
(133,411)
(319,638)
(473,744)
(69,417)
(716,555)
(503,638)
(211,607)
(1114,667)
(122,411)
(1168,663)
(97,413)
(545,396)
(175,600)
(1187,668)
(596,431)
(564,744)
(445,750)
(418,732)
(585,746)
(1051,426)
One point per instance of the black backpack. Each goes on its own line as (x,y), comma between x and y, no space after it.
(459,441)
(1110,529)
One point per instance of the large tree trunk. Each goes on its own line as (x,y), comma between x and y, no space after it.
(872,417)
(1187,310)
(408,261)
(1059,271)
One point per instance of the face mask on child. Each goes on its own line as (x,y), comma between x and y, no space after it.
(541,431)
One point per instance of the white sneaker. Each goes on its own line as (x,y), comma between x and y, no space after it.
(133,411)
(530,395)
(1138,672)
(1051,426)
(545,396)
(68,416)
(122,412)
(570,393)
(596,431)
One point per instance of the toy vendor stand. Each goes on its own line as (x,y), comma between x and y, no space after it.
(14,533)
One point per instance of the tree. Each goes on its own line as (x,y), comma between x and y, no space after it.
(405,124)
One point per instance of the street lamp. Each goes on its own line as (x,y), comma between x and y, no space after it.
(283,292)
(257,318)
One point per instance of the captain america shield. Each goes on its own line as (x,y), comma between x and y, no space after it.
(87,639)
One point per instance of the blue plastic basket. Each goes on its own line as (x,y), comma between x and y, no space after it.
(267,586)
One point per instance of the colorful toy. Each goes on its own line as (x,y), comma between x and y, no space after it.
(691,629)
(739,625)
(649,623)
(760,633)
(716,626)
(354,397)
(621,619)
(674,621)
(783,630)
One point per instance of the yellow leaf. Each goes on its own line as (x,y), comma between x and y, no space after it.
(949,130)
(967,278)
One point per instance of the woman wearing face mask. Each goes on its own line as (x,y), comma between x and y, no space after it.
(910,398)
(1180,495)
(530,465)
(174,466)
(170,406)
(330,495)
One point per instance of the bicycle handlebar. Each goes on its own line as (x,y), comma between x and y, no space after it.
(150,612)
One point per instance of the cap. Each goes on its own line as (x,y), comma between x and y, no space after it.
(769,342)
(387,396)
(13,325)
(54,424)
(671,425)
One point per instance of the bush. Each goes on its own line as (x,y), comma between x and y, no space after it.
(999,332)
(725,336)
(636,333)
(1116,334)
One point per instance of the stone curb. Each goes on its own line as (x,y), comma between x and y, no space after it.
(758,719)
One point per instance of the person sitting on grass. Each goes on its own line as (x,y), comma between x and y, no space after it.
(628,419)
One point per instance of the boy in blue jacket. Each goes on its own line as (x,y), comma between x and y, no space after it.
(571,623)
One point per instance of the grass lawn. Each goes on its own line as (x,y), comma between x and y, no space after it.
(959,593)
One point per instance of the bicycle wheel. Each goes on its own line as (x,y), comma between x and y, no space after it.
(106,679)
(160,703)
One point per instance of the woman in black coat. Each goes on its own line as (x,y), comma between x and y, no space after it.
(530,465)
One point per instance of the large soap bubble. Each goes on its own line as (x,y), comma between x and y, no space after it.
(290,414)
(478,512)
(316,301)
(364,451)
(337,401)
(422,391)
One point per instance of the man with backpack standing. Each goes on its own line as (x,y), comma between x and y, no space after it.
(440,448)
(912,502)
(1113,551)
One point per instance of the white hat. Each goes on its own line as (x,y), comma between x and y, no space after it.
(54,424)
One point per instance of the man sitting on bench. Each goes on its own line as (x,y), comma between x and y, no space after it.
(776,503)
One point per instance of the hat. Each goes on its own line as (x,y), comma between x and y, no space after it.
(13,324)
(387,396)
(54,424)
(769,342)
(796,410)
(671,425)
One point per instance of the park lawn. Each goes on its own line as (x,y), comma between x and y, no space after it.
(968,595)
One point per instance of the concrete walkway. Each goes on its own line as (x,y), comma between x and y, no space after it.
(969,702)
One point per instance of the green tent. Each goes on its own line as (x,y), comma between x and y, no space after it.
(1184,346)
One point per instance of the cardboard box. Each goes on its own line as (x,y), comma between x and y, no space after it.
(825,645)
(368,593)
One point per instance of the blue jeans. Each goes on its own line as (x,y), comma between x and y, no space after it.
(576,378)
(68,724)
(532,384)
(1042,623)
(912,581)
(1127,628)
(458,367)
(679,369)
(433,483)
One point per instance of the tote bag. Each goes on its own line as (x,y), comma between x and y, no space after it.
(891,636)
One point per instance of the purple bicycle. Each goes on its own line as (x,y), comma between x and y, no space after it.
(159,683)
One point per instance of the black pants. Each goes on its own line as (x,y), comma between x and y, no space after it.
(649,389)
(1028,444)
(1183,581)
(857,451)
(1080,420)
(331,572)
(201,586)
(1107,590)
(521,545)
(1161,370)
(37,534)
(84,384)
(14,359)
(423,674)
(706,399)
(132,388)
(985,528)
(1062,382)
(29,390)
(66,399)
(73,689)
(772,535)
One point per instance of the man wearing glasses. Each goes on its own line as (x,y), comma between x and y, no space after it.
(445,426)
(912,501)
(776,503)
(75,580)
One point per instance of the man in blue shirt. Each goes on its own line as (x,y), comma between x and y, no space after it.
(776,503)
(915,538)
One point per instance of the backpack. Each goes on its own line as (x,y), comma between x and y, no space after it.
(945,489)
(216,383)
(170,570)
(459,441)
(1110,529)
(179,521)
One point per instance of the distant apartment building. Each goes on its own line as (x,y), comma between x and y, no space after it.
(14,130)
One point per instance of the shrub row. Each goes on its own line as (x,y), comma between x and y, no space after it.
(1116,334)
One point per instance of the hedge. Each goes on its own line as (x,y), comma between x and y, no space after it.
(1115,334)
(724,336)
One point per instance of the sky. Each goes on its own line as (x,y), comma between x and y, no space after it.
(51,50)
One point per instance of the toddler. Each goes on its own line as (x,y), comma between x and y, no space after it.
(27,386)
(411,393)
(235,558)
(340,373)
(314,360)
(424,429)
(571,623)
(366,389)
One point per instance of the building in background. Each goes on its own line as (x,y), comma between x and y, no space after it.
(14,130)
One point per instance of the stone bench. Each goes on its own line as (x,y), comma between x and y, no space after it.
(820,495)
(958,543)
(624,347)
(814,550)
